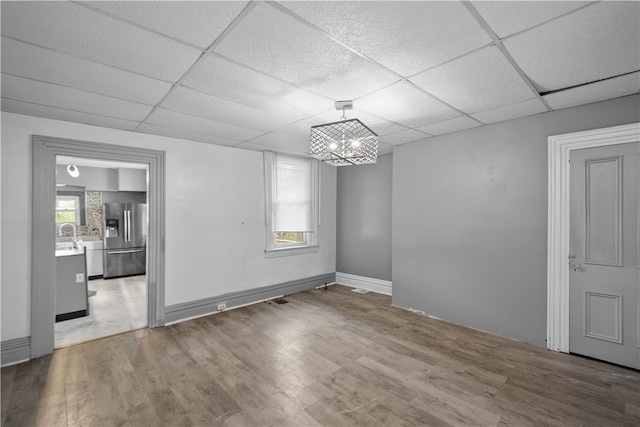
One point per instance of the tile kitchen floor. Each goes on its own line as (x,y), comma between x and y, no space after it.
(119,305)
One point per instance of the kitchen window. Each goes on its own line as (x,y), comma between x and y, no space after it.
(68,209)
(291,194)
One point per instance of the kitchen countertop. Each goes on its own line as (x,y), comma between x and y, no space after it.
(69,252)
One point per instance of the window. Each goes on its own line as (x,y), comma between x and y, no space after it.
(291,204)
(68,209)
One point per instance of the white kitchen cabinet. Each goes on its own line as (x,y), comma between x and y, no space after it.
(132,179)
(94,258)
(93,179)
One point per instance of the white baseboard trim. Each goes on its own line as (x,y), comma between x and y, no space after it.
(368,283)
(193,309)
(14,351)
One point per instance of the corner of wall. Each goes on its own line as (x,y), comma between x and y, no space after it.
(368,283)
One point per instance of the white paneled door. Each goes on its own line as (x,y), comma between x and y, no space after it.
(604,277)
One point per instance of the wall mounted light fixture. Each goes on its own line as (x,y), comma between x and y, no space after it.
(73,171)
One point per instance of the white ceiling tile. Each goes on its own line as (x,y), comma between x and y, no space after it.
(199,104)
(167,118)
(382,127)
(384,148)
(298,149)
(52,95)
(271,41)
(334,115)
(251,146)
(259,147)
(184,134)
(599,91)
(404,104)
(38,63)
(390,133)
(108,63)
(509,17)
(431,32)
(294,137)
(376,124)
(220,77)
(195,22)
(28,109)
(403,137)
(513,111)
(599,41)
(83,32)
(453,125)
(479,81)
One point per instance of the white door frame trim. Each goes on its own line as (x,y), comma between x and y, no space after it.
(560,147)
(43,263)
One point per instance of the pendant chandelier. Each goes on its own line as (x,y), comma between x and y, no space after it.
(73,171)
(344,143)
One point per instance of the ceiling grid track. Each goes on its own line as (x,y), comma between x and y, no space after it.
(72,110)
(106,64)
(498,43)
(215,43)
(255,74)
(368,58)
(588,83)
(134,24)
(73,88)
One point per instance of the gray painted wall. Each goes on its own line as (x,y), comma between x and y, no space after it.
(470,219)
(364,219)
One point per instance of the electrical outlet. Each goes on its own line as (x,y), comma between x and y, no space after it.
(80,278)
(222,306)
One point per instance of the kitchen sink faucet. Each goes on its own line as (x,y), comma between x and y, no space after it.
(75,235)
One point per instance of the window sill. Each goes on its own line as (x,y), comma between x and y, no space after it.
(297,250)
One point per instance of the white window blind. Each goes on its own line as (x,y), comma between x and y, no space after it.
(292,196)
(291,204)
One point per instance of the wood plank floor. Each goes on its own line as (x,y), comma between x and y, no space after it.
(327,357)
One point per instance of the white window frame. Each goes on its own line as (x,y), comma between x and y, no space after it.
(310,244)
(77,210)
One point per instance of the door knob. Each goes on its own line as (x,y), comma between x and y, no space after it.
(573,264)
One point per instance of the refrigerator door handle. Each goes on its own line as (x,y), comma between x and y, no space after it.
(128,225)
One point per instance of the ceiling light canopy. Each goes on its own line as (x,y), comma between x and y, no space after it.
(344,143)
(73,171)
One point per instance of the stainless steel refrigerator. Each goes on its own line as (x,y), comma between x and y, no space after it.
(125,239)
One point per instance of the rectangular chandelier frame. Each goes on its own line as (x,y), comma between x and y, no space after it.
(343,143)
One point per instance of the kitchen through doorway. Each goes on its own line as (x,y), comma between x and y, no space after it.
(102,218)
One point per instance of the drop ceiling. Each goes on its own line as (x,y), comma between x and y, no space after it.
(257,75)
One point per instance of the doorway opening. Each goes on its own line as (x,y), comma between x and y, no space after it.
(43,259)
(93,198)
